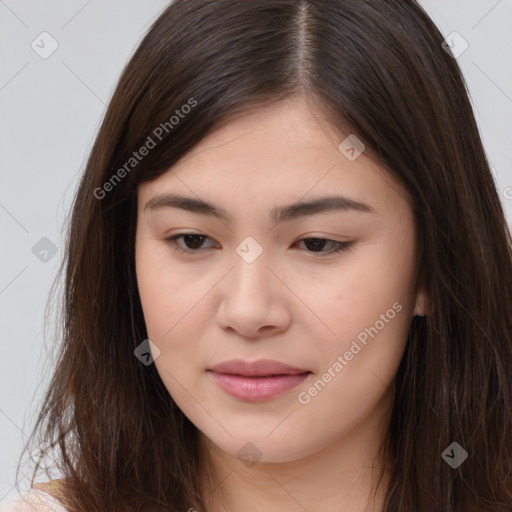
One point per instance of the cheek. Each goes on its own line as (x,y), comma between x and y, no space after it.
(165,307)
(173,311)
(151,291)
(161,302)
(360,296)
(379,275)
(360,362)
(164,294)
(368,307)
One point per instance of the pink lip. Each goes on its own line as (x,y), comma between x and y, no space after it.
(258,380)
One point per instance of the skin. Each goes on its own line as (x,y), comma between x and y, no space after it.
(295,303)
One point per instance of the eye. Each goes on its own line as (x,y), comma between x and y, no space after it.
(194,241)
(320,243)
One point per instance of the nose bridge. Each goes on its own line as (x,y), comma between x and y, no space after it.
(251,274)
(252,297)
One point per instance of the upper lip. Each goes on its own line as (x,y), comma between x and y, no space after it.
(262,367)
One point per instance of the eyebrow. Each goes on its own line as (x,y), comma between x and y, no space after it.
(277,214)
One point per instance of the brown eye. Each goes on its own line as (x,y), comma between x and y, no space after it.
(317,244)
(192,242)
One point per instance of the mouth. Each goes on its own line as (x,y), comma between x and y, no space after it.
(258,380)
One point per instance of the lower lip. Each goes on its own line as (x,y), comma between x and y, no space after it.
(257,389)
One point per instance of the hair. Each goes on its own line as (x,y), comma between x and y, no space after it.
(376,69)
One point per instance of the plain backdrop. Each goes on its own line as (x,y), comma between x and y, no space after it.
(50,110)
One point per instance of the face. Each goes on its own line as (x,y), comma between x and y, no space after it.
(325,289)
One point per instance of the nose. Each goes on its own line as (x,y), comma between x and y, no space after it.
(254,303)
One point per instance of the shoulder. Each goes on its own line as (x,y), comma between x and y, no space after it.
(37,499)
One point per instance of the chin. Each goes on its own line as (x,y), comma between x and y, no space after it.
(262,447)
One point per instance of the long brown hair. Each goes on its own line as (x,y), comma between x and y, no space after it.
(378,69)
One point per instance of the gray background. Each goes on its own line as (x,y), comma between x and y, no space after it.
(50,111)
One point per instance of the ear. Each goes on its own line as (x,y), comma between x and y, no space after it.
(420,307)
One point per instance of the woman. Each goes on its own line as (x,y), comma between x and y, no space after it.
(289,275)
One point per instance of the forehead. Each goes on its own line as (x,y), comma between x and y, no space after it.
(279,154)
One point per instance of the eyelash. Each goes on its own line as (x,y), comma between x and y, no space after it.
(338,247)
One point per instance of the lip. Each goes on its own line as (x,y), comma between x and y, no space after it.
(257,380)
(259,368)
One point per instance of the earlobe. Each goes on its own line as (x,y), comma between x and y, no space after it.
(420,308)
